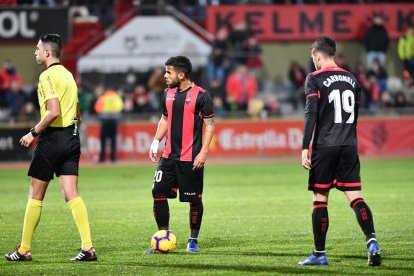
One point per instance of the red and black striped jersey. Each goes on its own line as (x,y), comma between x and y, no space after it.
(185,111)
(332,102)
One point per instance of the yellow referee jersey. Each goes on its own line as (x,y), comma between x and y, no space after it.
(57,82)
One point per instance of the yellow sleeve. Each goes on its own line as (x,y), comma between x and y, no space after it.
(410,47)
(48,87)
(119,104)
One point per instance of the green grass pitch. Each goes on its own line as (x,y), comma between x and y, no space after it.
(257,219)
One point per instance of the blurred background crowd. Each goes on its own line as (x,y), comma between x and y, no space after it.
(234,73)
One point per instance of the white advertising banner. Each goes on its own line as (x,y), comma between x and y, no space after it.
(144,43)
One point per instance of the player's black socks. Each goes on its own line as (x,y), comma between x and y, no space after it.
(196,215)
(364,217)
(162,214)
(320,222)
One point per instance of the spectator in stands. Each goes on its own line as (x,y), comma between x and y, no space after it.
(374,93)
(3,95)
(36,3)
(361,76)
(255,107)
(340,61)
(376,42)
(109,107)
(98,91)
(272,104)
(121,93)
(16,100)
(406,50)
(83,96)
(7,75)
(239,33)
(241,87)
(218,60)
(400,100)
(193,9)
(219,108)
(297,76)
(148,7)
(31,108)
(386,100)
(140,100)
(380,74)
(252,52)
(156,86)
(34,98)
(408,89)
(104,11)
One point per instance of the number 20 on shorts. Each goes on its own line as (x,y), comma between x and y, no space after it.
(158,176)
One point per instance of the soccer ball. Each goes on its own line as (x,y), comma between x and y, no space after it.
(164,241)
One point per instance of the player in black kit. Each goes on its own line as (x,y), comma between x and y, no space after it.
(332,101)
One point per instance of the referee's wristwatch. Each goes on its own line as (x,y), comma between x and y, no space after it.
(33,132)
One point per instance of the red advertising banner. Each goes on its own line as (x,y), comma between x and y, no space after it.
(260,138)
(386,136)
(307,22)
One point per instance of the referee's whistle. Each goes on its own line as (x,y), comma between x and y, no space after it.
(75,130)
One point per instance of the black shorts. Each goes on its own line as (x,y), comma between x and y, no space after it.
(335,167)
(57,151)
(173,174)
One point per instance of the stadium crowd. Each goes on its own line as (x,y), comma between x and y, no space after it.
(232,74)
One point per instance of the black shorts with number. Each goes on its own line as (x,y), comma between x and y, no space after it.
(172,174)
(57,151)
(335,167)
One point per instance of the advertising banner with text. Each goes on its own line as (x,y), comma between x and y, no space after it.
(307,22)
(259,138)
(27,24)
(10,148)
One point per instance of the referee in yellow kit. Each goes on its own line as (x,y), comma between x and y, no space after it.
(57,150)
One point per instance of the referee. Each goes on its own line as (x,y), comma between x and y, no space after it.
(57,150)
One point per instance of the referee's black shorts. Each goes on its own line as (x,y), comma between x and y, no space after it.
(175,174)
(57,152)
(335,167)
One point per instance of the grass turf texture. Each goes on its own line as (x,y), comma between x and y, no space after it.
(257,220)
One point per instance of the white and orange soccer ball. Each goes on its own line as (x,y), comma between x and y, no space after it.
(164,241)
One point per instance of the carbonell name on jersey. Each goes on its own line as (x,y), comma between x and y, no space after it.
(335,78)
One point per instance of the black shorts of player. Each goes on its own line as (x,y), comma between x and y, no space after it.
(173,174)
(57,151)
(335,167)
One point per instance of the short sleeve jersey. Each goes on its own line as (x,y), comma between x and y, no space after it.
(185,111)
(57,82)
(332,101)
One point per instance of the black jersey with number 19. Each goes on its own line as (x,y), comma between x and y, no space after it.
(185,111)
(332,101)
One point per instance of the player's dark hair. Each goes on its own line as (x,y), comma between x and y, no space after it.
(324,45)
(180,63)
(53,42)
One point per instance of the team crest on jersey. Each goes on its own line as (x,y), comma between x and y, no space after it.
(187,100)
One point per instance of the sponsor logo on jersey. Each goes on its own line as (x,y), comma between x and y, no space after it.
(52,91)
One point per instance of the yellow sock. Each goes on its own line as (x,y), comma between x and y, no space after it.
(31,219)
(81,218)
